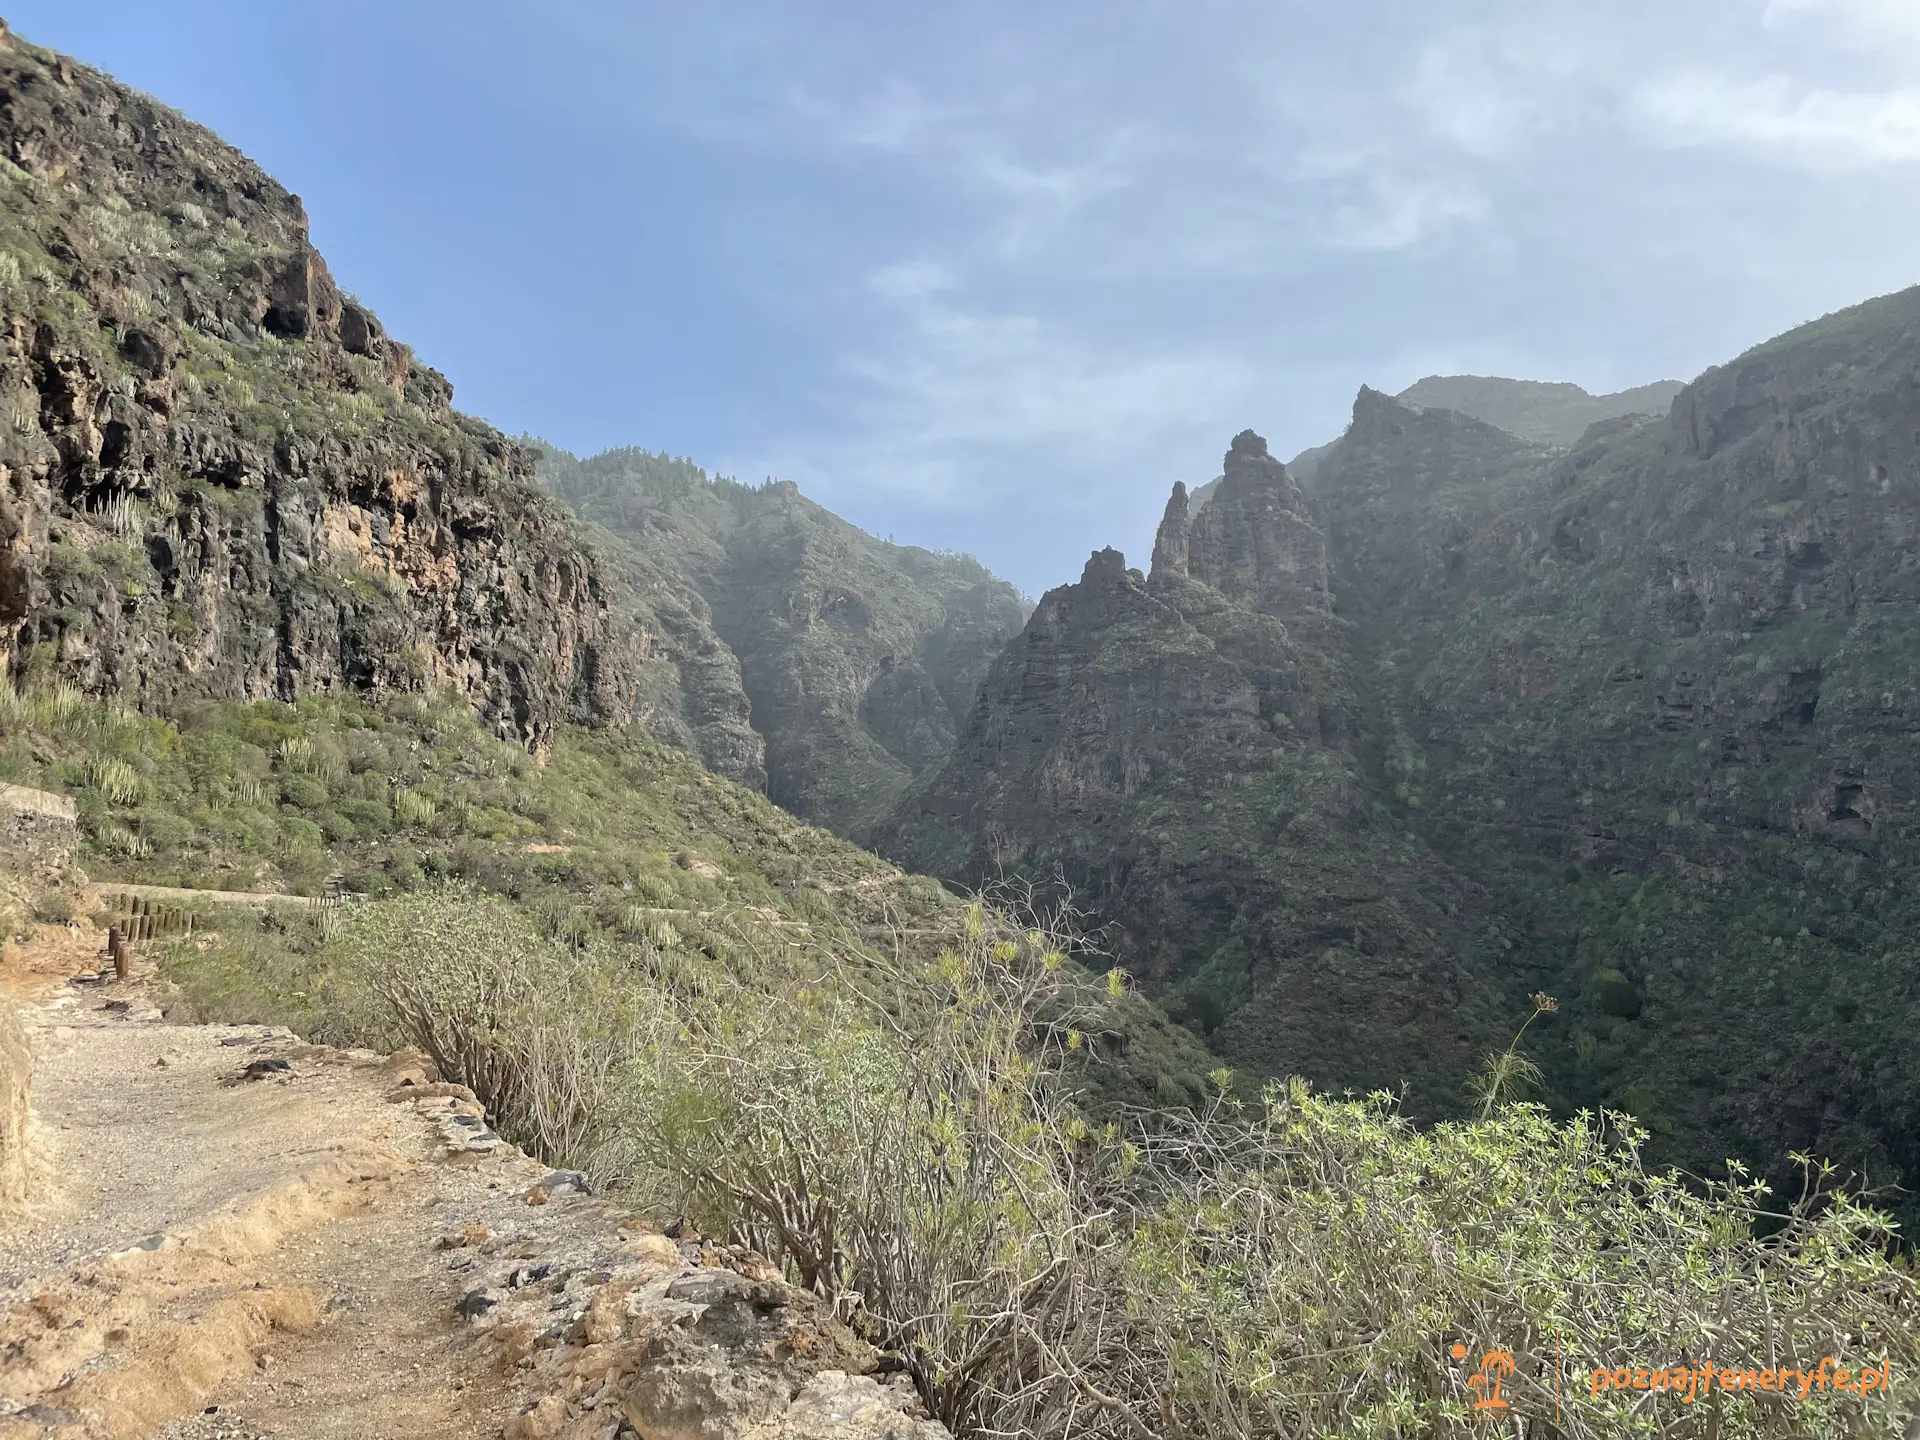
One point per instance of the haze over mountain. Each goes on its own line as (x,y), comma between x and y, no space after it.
(1360,765)
(793,652)
(1550,413)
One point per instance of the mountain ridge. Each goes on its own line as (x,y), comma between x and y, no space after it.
(1543,411)
(1627,722)
(852,660)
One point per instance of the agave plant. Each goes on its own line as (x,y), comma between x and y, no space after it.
(119,840)
(116,780)
(411,807)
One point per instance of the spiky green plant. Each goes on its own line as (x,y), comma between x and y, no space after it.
(411,807)
(116,781)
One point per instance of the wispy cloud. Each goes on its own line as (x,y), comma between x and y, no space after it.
(1857,24)
(953,378)
(1780,118)
(1492,91)
(1129,234)
(1380,205)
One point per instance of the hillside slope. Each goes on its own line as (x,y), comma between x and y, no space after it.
(854,660)
(1660,698)
(1630,723)
(219,476)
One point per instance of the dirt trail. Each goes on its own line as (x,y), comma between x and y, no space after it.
(196,1240)
(232,1235)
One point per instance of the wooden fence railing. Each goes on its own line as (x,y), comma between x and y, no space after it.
(141,919)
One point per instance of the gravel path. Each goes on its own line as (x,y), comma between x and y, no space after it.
(142,1124)
(171,1193)
(232,1235)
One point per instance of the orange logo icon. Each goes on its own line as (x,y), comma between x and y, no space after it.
(1495,1366)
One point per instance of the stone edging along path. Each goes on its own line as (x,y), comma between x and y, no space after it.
(232,1235)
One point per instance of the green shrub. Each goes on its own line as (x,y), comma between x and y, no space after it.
(118,782)
(413,808)
(303,791)
(1286,1264)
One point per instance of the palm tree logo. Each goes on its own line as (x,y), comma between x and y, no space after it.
(1495,1366)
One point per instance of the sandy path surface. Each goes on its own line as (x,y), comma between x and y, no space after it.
(232,1235)
(206,1254)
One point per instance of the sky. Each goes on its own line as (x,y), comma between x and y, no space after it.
(992,276)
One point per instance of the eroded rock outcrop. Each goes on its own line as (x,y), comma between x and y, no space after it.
(1255,540)
(1182,752)
(219,476)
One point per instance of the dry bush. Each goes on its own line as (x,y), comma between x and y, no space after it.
(1287,1265)
(544,1032)
(1294,1266)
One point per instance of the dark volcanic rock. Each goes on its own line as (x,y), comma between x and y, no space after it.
(1182,754)
(1631,721)
(1255,541)
(218,475)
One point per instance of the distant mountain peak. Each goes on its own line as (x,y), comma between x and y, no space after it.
(1549,412)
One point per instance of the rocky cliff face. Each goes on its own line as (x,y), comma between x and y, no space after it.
(1631,722)
(800,654)
(1182,752)
(219,476)
(1665,700)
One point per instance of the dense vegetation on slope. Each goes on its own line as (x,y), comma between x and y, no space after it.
(615,840)
(1629,723)
(856,660)
(1659,700)
(1274,1265)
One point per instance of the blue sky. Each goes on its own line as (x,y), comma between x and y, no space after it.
(991,276)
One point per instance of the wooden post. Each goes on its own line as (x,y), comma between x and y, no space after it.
(117,949)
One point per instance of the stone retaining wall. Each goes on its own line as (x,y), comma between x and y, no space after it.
(37,827)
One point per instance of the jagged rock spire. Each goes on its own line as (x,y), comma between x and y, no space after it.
(1170,541)
(1106,567)
(1256,540)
